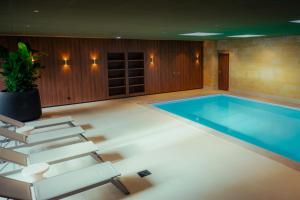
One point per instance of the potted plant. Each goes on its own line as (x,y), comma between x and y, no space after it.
(20,69)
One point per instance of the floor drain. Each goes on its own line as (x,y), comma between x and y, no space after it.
(144,173)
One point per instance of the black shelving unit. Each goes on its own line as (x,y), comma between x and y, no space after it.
(136,79)
(116,63)
(125,74)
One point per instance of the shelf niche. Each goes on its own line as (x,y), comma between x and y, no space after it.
(116,66)
(126,74)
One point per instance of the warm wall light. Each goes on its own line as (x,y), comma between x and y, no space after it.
(94,65)
(197,58)
(65,62)
(152,60)
(94,61)
(66,66)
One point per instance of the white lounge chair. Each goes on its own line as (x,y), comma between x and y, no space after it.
(42,137)
(39,123)
(50,156)
(64,185)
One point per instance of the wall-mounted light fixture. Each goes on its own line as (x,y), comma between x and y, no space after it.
(152,59)
(94,56)
(94,66)
(66,66)
(65,62)
(94,61)
(197,58)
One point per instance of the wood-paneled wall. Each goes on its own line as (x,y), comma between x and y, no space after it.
(175,66)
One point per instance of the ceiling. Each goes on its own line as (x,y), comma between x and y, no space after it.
(154,19)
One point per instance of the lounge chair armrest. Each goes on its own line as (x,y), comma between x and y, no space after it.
(11,121)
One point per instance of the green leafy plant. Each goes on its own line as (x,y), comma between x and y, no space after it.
(21,68)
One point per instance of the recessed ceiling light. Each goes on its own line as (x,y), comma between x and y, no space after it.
(245,36)
(295,21)
(200,34)
(36,11)
(118,37)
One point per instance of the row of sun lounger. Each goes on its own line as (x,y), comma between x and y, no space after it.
(28,135)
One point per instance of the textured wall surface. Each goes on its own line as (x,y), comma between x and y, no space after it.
(210,64)
(258,66)
(265,65)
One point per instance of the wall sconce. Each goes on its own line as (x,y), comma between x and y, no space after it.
(65,62)
(94,65)
(151,60)
(66,66)
(94,61)
(197,58)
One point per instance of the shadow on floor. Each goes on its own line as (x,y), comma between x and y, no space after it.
(135,184)
(86,126)
(96,139)
(111,156)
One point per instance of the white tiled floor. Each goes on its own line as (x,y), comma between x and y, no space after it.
(186,161)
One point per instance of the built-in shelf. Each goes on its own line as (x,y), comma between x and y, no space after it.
(136,89)
(111,61)
(115,95)
(137,94)
(125,74)
(136,77)
(136,60)
(117,92)
(135,56)
(136,68)
(116,78)
(116,69)
(121,86)
(136,85)
(116,65)
(116,56)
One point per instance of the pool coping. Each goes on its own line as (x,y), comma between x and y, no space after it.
(230,95)
(210,131)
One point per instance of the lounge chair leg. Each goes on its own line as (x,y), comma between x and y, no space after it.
(116,182)
(97,157)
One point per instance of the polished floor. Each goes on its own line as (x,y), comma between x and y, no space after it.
(186,161)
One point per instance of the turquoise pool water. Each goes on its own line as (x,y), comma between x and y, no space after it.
(272,127)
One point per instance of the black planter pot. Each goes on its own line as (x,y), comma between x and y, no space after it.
(22,106)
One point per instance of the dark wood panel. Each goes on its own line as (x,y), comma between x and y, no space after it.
(174,66)
(164,75)
(183,66)
(68,78)
(152,70)
(94,79)
(179,70)
(223,77)
(196,70)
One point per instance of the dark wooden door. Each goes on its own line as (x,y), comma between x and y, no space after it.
(223,73)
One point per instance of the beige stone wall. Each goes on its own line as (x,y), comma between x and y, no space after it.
(210,65)
(259,66)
